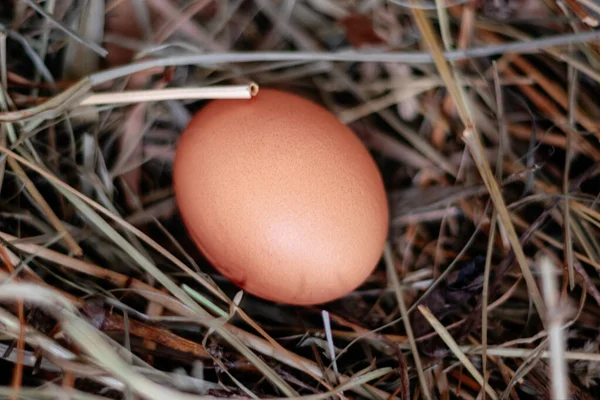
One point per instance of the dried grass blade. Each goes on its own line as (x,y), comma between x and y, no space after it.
(179,293)
(45,207)
(526,45)
(475,147)
(393,276)
(92,46)
(51,392)
(34,192)
(492,234)
(445,335)
(473,141)
(351,383)
(136,96)
(512,352)
(68,189)
(58,104)
(204,318)
(528,364)
(88,339)
(155,295)
(556,336)
(573,78)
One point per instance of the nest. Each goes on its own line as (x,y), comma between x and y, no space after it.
(480,114)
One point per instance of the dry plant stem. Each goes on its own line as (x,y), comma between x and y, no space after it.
(586,234)
(393,276)
(580,12)
(17,378)
(68,381)
(552,139)
(554,243)
(87,338)
(34,192)
(224,330)
(92,46)
(58,104)
(136,96)
(507,295)
(414,58)
(278,348)
(589,284)
(200,314)
(492,233)
(2,159)
(560,387)
(465,37)
(526,366)
(553,51)
(556,116)
(338,73)
(441,63)
(591,5)
(46,209)
(175,22)
(3,69)
(550,87)
(113,322)
(151,334)
(458,353)
(44,40)
(573,78)
(554,90)
(33,277)
(404,57)
(155,295)
(156,310)
(69,190)
(330,345)
(59,357)
(484,299)
(476,147)
(473,141)
(511,352)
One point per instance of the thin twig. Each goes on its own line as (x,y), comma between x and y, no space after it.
(573,79)
(511,352)
(439,328)
(330,345)
(405,57)
(473,141)
(492,234)
(560,386)
(393,275)
(201,93)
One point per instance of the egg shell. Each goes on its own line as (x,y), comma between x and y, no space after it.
(281,197)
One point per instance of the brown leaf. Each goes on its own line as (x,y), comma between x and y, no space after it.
(359,30)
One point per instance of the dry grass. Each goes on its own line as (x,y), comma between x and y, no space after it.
(482,119)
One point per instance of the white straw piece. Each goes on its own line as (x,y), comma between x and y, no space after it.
(556,331)
(330,346)
(196,93)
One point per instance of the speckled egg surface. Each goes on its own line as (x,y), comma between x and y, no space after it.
(281,197)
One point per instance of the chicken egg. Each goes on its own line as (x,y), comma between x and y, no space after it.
(281,197)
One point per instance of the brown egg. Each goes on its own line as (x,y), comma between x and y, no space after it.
(281,197)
